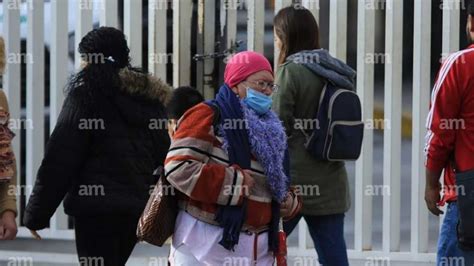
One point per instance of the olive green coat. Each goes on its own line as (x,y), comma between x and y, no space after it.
(323,185)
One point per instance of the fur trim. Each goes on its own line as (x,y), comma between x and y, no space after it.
(137,83)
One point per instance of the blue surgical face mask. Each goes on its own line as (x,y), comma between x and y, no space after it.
(258,101)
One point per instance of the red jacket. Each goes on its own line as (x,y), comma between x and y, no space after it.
(450,122)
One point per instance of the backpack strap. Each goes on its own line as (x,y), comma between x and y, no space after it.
(302,130)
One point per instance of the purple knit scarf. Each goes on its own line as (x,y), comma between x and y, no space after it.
(268,143)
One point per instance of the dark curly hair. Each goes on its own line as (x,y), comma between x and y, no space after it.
(183,99)
(105,52)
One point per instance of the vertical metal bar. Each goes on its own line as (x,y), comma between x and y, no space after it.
(109,13)
(59,73)
(365,89)
(421,91)
(256,25)
(59,57)
(209,43)
(200,45)
(83,26)
(206,42)
(133,30)
(392,134)
(157,38)
(34,89)
(451,24)
(12,77)
(182,14)
(338,28)
(231,24)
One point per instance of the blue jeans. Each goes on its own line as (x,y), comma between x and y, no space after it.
(327,232)
(448,250)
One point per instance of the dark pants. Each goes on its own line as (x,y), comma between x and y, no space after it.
(327,232)
(105,241)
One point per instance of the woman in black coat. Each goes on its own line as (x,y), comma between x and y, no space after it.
(108,141)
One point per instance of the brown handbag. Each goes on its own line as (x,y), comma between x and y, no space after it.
(157,222)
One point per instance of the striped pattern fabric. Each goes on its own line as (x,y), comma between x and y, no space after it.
(199,168)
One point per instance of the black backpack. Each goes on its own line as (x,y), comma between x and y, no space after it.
(340,129)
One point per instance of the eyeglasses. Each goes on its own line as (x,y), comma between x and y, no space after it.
(263,85)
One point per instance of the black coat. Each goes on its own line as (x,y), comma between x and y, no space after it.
(101,157)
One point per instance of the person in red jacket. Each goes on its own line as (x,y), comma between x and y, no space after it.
(450,142)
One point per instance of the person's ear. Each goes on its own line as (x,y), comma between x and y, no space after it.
(235,90)
(171,127)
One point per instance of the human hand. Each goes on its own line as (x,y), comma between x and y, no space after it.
(432,197)
(248,183)
(288,205)
(8,227)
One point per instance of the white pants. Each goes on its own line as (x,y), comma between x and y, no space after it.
(181,256)
(197,243)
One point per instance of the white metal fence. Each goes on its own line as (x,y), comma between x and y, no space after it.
(84,14)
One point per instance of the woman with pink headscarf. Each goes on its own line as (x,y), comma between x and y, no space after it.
(228,160)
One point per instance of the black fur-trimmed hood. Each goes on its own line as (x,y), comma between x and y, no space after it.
(142,99)
(145,85)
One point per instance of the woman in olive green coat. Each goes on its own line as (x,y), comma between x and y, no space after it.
(323,185)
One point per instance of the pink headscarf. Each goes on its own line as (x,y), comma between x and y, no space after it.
(244,64)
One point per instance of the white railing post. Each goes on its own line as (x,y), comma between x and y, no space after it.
(338,29)
(59,74)
(109,13)
(34,90)
(392,134)
(133,29)
(12,76)
(421,91)
(365,90)
(157,38)
(256,25)
(205,45)
(230,7)
(182,14)
(59,57)
(83,26)
(451,24)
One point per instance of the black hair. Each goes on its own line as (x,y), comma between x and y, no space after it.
(183,99)
(105,52)
(470,8)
